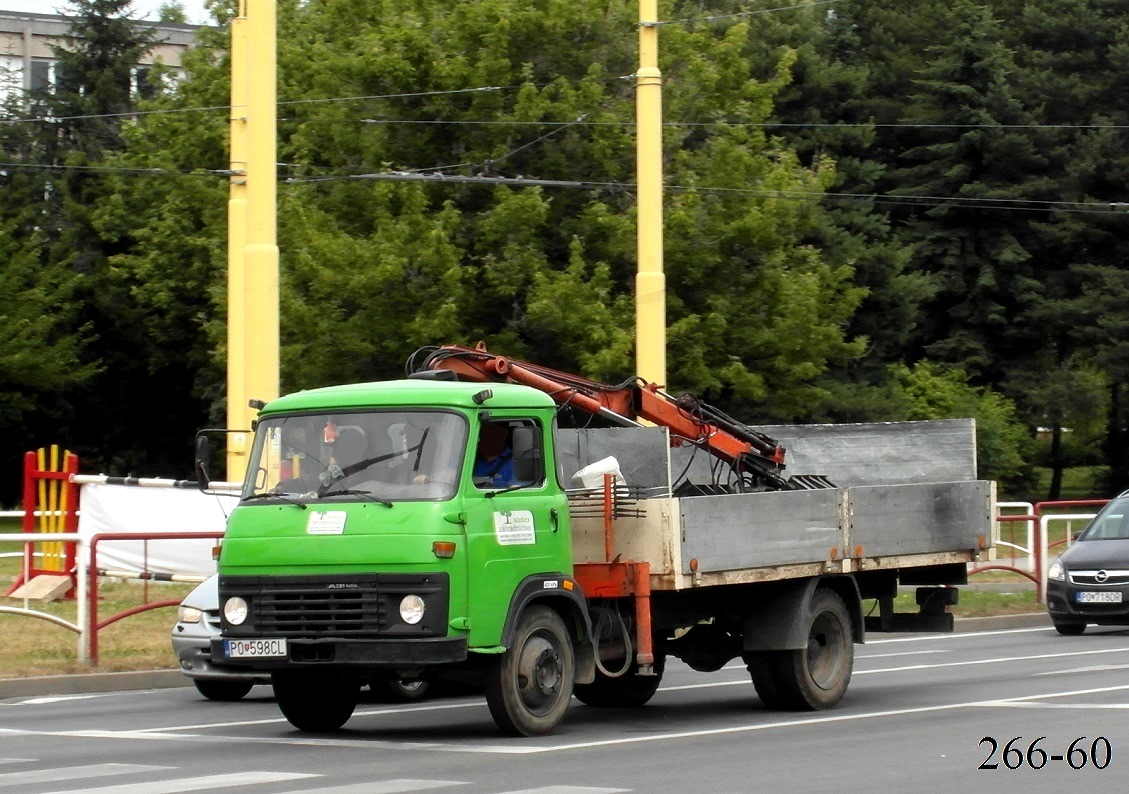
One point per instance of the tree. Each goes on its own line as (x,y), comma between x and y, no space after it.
(102,399)
(931,391)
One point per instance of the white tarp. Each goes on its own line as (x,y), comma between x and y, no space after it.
(122,509)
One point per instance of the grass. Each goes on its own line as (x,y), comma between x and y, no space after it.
(33,646)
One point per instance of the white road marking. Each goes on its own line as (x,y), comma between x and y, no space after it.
(567,790)
(52,774)
(900,653)
(401,786)
(968,635)
(1096,668)
(46,701)
(199,783)
(996,660)
(794,723)
(1068,706)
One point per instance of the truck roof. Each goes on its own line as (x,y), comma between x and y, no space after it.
(414,393)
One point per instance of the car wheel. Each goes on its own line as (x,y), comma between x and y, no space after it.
(223,690)
(399,691)
(1069,629)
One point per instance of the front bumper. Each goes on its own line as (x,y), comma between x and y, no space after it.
(367,653)
(1064,606)
(194,655)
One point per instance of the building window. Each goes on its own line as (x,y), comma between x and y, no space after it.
(11,78)
(42,75)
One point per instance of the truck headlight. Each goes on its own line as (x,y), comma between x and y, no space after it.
(1056,572)
(189,614)
(235,610)
(411,609)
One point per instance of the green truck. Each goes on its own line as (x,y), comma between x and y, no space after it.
(370,545)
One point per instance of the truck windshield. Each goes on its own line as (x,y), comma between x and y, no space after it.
(392,455)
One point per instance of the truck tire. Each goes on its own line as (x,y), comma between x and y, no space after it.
(762,669)
(815,677)
(528,688)
(312,703)
(222,690)
(625,691)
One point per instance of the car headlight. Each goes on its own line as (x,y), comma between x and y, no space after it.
(411,609)
(1056,572)
(235,610)
(189,614)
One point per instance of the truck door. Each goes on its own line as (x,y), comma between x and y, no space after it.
(515,528)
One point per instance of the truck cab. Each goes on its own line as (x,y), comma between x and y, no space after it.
(366,545)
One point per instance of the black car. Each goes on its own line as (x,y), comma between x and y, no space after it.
(1089,583)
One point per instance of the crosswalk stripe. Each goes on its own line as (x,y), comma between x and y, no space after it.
(568,790)
(401,786)
(197,783)
(74,773)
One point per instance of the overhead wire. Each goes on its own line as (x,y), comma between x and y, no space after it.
(888,199)
(740,14)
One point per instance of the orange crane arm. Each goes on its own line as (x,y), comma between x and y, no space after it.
(688,420)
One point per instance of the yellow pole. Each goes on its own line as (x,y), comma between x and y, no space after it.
(236,239)
(650,282)
(255,274)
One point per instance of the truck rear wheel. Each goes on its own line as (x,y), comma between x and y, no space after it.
(815,677)
(528,688)
(762,668)
(312,703)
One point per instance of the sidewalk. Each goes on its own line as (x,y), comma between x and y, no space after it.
(87,683)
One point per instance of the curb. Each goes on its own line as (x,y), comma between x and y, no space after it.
(87,683)
(1030,620)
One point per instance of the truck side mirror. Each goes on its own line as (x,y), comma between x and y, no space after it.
(529,462)
(203,457)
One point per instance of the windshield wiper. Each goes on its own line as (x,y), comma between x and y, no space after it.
(288,498)
(517,486)
(333,472)
(369,495)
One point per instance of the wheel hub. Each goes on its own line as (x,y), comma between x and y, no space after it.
(540,674)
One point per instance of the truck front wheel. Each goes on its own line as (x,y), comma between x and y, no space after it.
(528,688)
(814,677)
(310,702)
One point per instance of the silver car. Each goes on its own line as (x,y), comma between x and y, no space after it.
(198,621)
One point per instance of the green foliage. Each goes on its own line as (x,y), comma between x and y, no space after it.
(931,391)
(849,189)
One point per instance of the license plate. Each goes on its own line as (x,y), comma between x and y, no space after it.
(254,649)
(1099,598)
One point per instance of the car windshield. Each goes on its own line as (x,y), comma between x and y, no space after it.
(385,455)
(1112,523)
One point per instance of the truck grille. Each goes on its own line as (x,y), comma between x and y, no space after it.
(352,605)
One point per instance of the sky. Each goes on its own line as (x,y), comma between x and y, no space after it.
(142,9)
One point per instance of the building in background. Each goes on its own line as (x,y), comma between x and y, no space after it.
(27,61)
